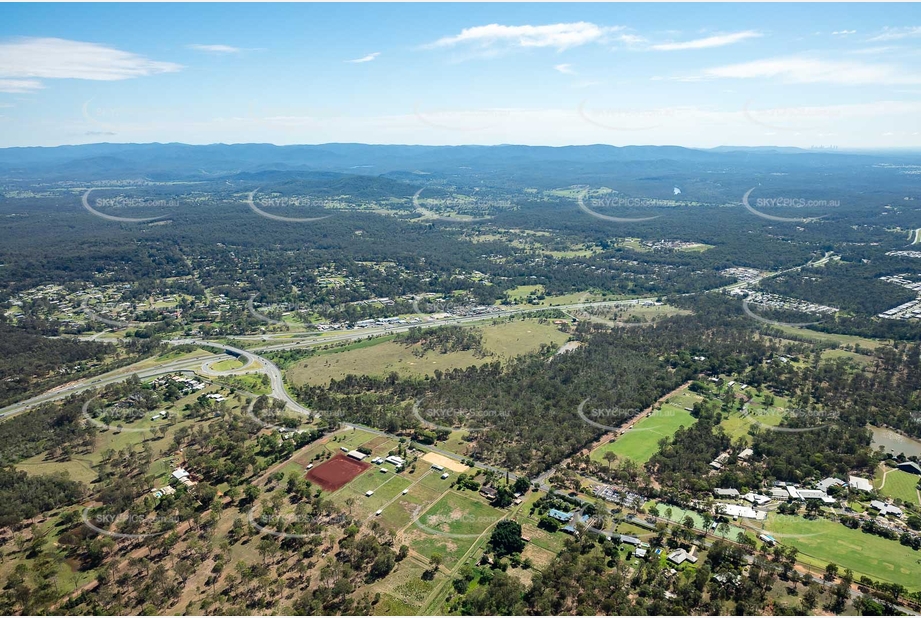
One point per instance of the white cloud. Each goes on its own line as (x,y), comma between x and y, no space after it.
(20,86)
(565,69)
(559,36)
(812,71)
(64,59)
(719,40)
(632,40)
(893,34)
(843,32)
(367,58)
(217,49)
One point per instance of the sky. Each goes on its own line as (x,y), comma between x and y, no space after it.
(831,76)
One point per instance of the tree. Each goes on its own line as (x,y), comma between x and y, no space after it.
(521,485)
(504,497)
(609,457)
(383,565)
(831,572)
(506,538)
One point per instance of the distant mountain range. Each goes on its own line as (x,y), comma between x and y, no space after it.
(158,161)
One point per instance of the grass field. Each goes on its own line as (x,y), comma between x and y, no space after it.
(642,442)
(456,514)
(900,485)
(378,358)
(831,337)
(404,591)
(861,359)
(865,554)
(678,514)
(251,382)
(227,365)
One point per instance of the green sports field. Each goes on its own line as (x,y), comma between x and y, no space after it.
(863,553)
(642,442)
(901,485)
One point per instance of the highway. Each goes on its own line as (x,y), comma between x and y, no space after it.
(118,375)
(275,375)
(351,335)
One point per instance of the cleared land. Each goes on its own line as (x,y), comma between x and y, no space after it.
(831,337)
(503,340)
(461,519)
(336,472)
(447,462)
(737,423)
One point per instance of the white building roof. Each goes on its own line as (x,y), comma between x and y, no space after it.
(736,510)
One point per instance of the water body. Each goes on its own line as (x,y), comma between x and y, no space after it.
(894,442)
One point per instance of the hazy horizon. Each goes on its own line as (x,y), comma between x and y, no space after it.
(487,74)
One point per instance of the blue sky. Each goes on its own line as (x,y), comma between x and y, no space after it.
(808,75)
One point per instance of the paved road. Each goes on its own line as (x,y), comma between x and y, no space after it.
(276,380)
(117,375)
(315,339)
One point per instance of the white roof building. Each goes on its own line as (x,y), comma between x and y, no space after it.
(859,483)
(680,555)
(180,473)
(757,498)
(816,494)
(737,510)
